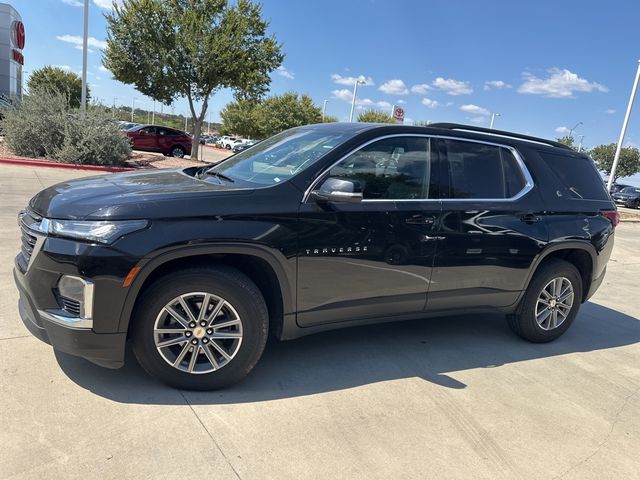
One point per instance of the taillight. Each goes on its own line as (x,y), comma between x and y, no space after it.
(612,215)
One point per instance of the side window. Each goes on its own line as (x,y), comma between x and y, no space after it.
(482,171)
(148,130)
(577,175)
(393,168)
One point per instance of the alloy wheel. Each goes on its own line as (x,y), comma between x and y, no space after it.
(198,332)
(554,303)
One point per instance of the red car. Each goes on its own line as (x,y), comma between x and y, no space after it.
(152,138)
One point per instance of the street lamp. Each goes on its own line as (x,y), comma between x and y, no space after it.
(85,49)
(113,111)
(574,127)
(133,107)
(355,93)
(493,119)
(324,107)
(580,144)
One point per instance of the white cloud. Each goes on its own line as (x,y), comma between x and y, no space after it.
(343,94)
(495,84)
(427,102)
(420,88)
(76,40)
(400,102)
(107,4)
(283,72)
(346,95)
(478,119)
(102,68)
(610,111)
(340,80)
(79,47)
(475,109)
(561,83)
(394,87)
(63,67)
(452,87)
(562,130)
(73,3)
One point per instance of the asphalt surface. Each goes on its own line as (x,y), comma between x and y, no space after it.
(456,397)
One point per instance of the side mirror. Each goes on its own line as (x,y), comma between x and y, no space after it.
(339,190)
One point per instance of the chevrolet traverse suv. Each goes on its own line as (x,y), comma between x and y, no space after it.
(315,228)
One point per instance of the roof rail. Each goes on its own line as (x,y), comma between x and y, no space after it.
(499,133)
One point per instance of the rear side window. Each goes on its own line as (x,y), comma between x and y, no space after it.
(481,171)
(577,175)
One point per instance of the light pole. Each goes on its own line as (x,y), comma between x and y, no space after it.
(324,108)
(85,40)
(574,127)
(616,157)
(493,119)
(133,107)
(353,100)
(113,111)
(153,117)
(580,144)
(185,122)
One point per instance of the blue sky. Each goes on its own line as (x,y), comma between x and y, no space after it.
(542,65)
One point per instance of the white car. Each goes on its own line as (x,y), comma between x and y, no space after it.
(228,142)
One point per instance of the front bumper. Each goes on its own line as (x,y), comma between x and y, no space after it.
(104,349)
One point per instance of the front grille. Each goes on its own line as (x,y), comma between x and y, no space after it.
(28,222)
(70,306)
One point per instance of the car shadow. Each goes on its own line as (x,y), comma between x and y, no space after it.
(431,349)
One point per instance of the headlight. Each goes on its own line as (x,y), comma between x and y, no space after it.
(101,231)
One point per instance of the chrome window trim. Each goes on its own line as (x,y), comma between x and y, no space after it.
(523,168)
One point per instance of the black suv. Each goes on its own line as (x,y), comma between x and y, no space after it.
(318,227)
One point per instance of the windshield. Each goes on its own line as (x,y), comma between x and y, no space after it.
(630,190)
(280,157)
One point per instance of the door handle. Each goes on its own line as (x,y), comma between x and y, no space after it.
(420,220)
(530,218)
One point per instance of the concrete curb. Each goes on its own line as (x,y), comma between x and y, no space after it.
(44,163)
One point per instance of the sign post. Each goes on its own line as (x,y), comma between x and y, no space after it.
(398,114)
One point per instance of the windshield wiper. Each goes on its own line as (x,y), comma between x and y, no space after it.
(218,175)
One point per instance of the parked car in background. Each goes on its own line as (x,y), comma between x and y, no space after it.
(616,187)
(153,138)
(239,147)
(628,196)
(127,125)
(228,142)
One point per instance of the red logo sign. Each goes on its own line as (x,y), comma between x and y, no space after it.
(18,34)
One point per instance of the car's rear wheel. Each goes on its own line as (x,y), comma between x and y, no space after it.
(177,152)
(200,329)
(550,303)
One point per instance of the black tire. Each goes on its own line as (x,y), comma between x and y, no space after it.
(230,284)
(636,204)
(524,323)
(177,152)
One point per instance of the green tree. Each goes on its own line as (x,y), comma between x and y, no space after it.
(375,116)
(58,81)
(629,163)
(567,140)
(285,111)
(330,119)
(241,118)
(191,48)
(268,117)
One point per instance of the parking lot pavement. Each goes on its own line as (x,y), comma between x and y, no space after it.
(457,397)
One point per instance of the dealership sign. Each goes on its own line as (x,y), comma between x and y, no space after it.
(18,39)
(12,43)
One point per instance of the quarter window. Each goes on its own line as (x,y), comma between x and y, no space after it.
(477,170)
(393,169)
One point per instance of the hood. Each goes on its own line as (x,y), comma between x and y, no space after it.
(156,194)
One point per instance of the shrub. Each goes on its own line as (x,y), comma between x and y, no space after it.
(35,127)
(41,126)
(93,138)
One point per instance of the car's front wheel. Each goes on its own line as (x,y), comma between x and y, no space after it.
(200,329)
(177,152)
(550,303)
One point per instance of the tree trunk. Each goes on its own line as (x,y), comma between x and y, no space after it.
(197,120)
